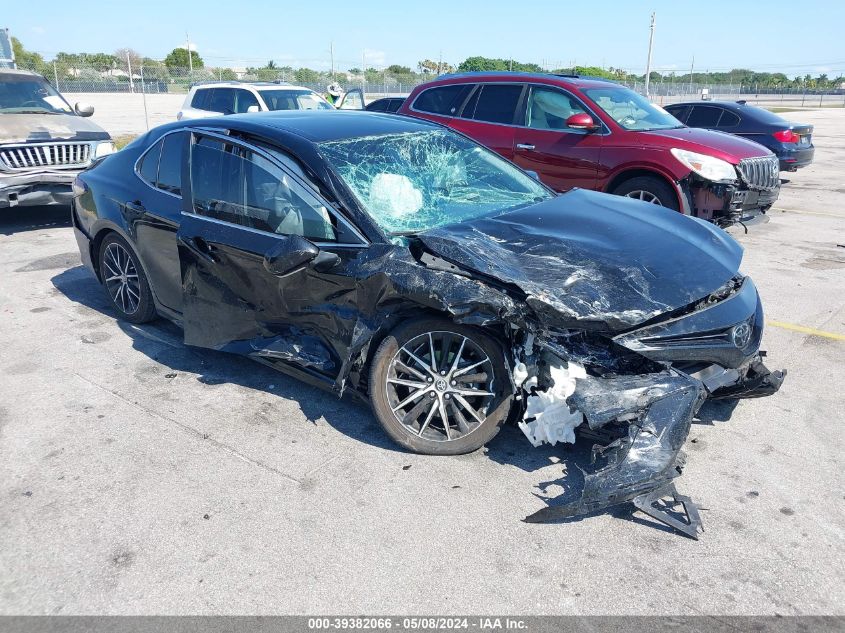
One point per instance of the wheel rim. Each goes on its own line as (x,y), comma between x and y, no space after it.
(440,386)
(121,278)
(645,196)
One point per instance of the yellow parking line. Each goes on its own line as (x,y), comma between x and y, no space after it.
(806,330)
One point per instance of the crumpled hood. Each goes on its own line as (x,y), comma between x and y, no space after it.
(588,259)
(33,128)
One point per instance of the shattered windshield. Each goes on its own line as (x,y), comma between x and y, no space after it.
(632,110)
(25,93)
(416,181)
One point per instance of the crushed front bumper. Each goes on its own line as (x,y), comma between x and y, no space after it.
(36,188)
(640,465)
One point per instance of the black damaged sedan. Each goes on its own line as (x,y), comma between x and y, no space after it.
(403,262)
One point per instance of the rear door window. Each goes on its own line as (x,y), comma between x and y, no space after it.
(444,100)
(221,100)
(497,103)
(704,116)
(200,100)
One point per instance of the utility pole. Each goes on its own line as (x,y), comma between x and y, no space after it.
(190,60)
(331,52)
(364,71)
(440,63)
(55,75)
(691,68)
(648,63)
(144,97)
(129,68)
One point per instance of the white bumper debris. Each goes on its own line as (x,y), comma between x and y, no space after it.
(548,417)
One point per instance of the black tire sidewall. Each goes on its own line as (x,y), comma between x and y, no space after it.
(397,431)
(146,305)
(652,184)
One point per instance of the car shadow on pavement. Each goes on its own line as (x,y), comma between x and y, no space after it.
(22,219)
(161,341)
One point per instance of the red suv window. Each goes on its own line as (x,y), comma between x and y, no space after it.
(444,100)
(497,103)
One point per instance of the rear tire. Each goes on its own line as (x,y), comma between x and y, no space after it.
(124,280)
(649,189)
(468,384)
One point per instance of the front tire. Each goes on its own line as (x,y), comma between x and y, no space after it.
(124,280)
(439,388)
(649,189)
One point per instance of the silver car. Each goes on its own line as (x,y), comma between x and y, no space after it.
(44,142)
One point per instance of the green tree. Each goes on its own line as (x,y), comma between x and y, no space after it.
(28,60)
(396,69)
(306,76)
(178,58)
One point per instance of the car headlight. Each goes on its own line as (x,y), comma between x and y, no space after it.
(104,148)
(708,167)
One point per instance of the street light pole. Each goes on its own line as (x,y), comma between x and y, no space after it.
(190,61)
(648,63)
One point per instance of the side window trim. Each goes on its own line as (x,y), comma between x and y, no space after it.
(243,145)
(731,116)
(137,167)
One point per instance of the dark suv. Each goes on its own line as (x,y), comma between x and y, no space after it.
(596,134)
(791,142)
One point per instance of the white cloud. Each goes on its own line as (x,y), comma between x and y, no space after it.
(374,58)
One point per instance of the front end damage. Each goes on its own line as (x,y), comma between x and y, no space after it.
(639,411)
(742,201)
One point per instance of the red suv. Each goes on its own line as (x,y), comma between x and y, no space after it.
(597,134)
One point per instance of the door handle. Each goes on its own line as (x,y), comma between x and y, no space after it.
(134,209)
(202,248)
(526,146)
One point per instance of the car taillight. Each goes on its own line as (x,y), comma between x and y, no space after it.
(787,136)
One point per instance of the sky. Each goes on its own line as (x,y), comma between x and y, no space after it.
(773,36)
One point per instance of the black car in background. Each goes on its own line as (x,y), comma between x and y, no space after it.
(791,142)
(387,104)
(398,260)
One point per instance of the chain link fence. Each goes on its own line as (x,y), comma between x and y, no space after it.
(111,87)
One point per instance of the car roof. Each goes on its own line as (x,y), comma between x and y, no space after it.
(18,71)
(730,105)
(506,75)
(281,85)
(319,126)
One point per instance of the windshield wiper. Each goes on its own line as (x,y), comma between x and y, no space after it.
(405,233)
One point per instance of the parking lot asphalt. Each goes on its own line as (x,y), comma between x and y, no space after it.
(140,476)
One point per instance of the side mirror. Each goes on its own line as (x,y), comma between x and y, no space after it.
(253,108)
(83,109)
(581,121)
(294,252)
(289,254)
(533,174)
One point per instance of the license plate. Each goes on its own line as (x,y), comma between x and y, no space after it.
(804,140)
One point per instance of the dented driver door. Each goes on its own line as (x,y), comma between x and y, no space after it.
(263,260)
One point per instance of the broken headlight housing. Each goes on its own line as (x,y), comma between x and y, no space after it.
(708,167)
